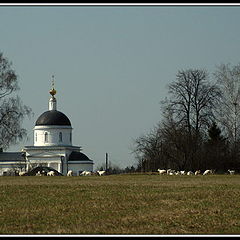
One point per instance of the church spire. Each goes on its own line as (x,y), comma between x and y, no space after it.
(52,100)
(53,91)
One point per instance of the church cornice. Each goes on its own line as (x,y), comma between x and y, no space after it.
(44,156)
(52,148)
(45,127)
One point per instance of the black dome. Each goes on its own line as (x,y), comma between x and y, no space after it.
(77,156)
(53,117)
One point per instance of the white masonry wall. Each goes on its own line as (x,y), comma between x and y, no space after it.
(52,138)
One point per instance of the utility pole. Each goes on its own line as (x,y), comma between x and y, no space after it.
(106,162)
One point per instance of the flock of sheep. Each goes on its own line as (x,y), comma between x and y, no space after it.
(197,172)
(69,173)
(161,172)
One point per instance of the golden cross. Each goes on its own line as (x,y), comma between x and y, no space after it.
(53,81)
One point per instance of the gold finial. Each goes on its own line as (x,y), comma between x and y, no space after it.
(53,91)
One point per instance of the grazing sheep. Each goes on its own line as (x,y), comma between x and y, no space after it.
(38,173)
(82,173)
(231,171)
(85,173)
(198,172)
(100,173)
(190,173)
(182,172)
(208,172)
(51,173)
(70,173)
(170,172)
(21,173)
(163,171)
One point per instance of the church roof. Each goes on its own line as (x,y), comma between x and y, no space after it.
(11,156)
(77,156)
(53,117)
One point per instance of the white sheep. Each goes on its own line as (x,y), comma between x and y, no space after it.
(170,172)
(100,173)
(21,173)
(38,173)
(231,171)
(183,172)
(208,172)
(82,173)
(85,173)
(162,171)
(70,173)
(51,173)
(198,172)
(190,173)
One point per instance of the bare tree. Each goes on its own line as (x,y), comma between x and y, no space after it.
(188,113)
(12,111)
(228,112)
(178,140)
(176,144)
(192,99)
(148,150)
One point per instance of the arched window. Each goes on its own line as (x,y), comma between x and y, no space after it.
(46,137)
(60,137)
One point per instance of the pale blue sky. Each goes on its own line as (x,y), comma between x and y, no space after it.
(112,64)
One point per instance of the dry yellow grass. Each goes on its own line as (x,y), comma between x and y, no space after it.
(120,204)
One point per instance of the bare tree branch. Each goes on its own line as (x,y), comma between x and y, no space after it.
(12,111)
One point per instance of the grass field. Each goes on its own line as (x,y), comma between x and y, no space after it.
(126,204)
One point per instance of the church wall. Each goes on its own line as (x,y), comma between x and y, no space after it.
(54,162)
(53,136)
(50,156)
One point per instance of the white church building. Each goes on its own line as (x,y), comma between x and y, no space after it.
(52,145)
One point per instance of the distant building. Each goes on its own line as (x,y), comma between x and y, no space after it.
(52,146)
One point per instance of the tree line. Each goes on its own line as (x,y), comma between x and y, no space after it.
(200,127)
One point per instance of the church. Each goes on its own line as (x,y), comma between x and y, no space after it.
(52,146)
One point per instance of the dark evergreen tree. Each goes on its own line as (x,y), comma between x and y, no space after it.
(216,150)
